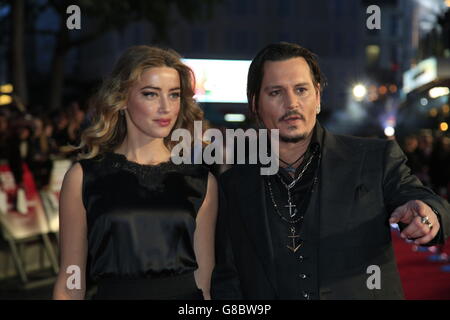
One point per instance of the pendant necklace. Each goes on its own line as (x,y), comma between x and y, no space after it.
(293,235)
(290,168)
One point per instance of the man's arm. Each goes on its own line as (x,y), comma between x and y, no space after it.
(400,187)
(225,282)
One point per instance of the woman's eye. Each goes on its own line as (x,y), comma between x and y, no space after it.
(150,94)
(175,95)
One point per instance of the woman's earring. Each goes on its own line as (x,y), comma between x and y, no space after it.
(122,112)
(318,109)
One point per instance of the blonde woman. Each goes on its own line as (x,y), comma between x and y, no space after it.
(138,225)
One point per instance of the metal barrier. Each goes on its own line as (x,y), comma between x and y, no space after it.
(30,226)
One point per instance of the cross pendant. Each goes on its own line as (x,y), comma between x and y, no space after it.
(290,206)
(294,236)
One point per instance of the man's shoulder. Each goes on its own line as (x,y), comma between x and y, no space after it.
(360,142)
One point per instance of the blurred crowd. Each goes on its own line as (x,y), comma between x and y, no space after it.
(37,140)
(429,159)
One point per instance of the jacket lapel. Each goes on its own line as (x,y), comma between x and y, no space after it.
(254,215)
(340,172)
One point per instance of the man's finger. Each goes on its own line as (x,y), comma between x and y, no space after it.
(430,236)
(420,208)
(420,232)
(397,215)
(427,238)
(404,215)
(415,229)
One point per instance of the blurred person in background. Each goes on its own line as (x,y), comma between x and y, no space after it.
(19,148)
(3,136)
(425,150)
(440,166)
(61,134)
(52,147)
(76,117)
(410,148)
(42,147)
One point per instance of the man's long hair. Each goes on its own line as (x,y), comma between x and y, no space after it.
(279,52)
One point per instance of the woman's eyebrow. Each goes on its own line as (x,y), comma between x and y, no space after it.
(151,87)
(157,88)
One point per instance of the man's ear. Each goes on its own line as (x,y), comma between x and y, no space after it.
(318,92)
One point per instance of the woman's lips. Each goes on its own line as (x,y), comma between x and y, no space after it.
(163,122)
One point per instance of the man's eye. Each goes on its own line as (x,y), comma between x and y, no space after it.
(301,90)
(274,93)
(149,94)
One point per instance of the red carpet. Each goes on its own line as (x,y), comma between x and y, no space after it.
(422,279)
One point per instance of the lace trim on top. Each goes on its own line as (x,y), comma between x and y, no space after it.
(149,176)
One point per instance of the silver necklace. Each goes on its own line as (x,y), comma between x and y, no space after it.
(293,236)
(278,211)
(290,167)
(292,209)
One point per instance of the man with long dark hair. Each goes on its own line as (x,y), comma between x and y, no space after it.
(320,227)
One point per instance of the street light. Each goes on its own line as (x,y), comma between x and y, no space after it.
(389,131)
(5,99)
(359,92)
(6,88)
(437,92)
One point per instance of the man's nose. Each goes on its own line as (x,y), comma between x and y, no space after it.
(291,101)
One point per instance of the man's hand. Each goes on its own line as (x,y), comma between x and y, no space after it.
(411,213)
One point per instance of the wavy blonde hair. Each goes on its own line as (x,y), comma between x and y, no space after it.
(109,128)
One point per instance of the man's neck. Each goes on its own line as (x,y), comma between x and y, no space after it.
(289,152)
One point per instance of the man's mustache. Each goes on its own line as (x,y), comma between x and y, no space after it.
(290,114)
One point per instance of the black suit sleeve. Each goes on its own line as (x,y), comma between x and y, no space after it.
(400,186)
(225,282)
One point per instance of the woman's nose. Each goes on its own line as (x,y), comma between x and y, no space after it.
(164,105)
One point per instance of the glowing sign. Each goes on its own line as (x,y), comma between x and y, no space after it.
(423,73)
(220,80)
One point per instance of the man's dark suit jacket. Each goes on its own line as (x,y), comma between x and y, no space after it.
(362,182)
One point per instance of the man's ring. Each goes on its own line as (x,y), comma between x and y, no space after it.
(426,221)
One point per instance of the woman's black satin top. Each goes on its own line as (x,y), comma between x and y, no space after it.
(140,218)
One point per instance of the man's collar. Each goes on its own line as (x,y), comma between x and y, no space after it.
(317,137)
(315,145)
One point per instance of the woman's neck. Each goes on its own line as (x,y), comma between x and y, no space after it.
(150,151)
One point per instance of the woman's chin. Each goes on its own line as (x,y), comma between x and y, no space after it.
(157,134)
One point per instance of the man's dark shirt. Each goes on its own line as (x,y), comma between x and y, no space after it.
(290,282)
